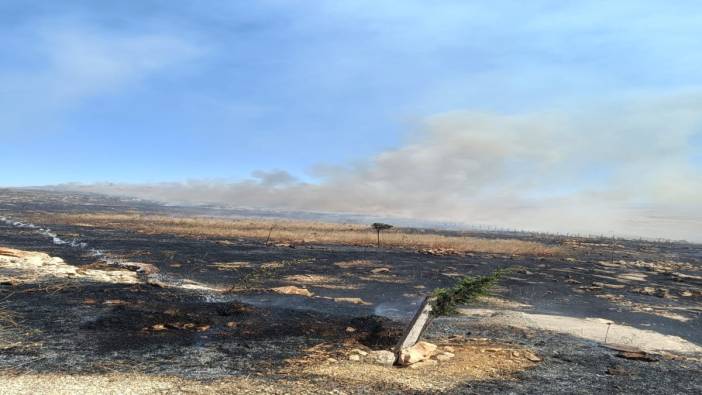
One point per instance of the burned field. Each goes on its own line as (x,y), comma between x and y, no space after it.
(223,312)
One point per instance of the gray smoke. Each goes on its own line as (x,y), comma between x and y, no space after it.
(626,168)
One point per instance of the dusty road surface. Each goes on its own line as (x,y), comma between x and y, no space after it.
(102,295)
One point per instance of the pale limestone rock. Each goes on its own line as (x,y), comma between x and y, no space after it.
(445,356)
(382,357)
(292,290)
(419,352)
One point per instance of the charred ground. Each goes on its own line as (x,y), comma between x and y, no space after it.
(82,328)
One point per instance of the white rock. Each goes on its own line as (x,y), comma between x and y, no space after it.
(382,357)
(419,352)
(445,356)
(292,290)
(359,352)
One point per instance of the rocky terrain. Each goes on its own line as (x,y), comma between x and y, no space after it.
(99,307)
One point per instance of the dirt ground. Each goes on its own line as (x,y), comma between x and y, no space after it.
(207,321)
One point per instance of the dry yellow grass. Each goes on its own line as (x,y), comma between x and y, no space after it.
(296,232)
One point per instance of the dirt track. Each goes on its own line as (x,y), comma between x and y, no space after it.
(98,328)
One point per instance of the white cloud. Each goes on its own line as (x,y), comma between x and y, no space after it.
(74,62)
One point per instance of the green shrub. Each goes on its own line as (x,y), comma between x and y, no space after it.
(467,290)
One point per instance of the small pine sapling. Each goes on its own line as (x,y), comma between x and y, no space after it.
(445,301)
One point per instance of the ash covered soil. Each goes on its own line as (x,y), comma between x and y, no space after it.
(158,334)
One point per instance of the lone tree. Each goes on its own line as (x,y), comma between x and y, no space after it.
(379,226)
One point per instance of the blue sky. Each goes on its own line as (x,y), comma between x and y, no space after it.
(173,90)
(169,91)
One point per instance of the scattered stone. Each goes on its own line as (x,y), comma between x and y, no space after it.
(671,356)
(607,285)
(158,327)
(292,290)
(232,324)
(637,356)
(630,352)
(632,276)
(272,265)
(382,357)
(439,251)
(445,356)
(532,357)
(449,349)
(419,352)
(203,328)
(359,352)
(380,270)
(141,268)
(424,364)
(332,360)
(351,300)
(686,278)
(156,282)
(89,301)
(350,329)
(659,292)
(354,357)
(645,290)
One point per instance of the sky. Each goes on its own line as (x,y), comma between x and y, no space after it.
(544,115)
